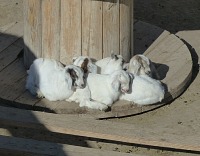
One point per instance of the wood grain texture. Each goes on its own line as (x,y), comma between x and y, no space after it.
(70,43)
(126,20)
(19,146)
(12,81)
(92,28)
(11,35)
(81,126)
(110,27)
(32,31)
(8,55)
(51,29)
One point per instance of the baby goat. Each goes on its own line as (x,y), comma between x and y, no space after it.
(102,90)
(141,65)
(144,90)
(50,79)
(109,64)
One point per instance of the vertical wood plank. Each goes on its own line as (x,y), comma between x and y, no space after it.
(132,27)
(51,29)
(70,45)
(125,28)
(110,27)
(92,28)
(32,31)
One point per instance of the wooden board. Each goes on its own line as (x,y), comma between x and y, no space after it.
(110,27)
(70,42)
(126,20)
(51,29)
(19,146)
(11,35)
(8,55)
(91,28)
(87,127)
(32,31)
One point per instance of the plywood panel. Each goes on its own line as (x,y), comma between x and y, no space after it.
(70,45)
(92,28)
(51,29)
(110,27)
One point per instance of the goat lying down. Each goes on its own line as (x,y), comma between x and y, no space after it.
(86,63)
(141,65)
(109,64)
(50,79)
(144,90)
(102,90)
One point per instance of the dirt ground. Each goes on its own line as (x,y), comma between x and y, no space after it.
(181,116)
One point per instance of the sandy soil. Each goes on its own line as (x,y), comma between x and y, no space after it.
(181,116)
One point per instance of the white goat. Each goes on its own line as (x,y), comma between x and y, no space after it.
(48,78)
(141,65)
(86,63)
(145,90)
(102,90)
(110,64)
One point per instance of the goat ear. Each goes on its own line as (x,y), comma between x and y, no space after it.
(74,59)
(72,73)
(114,56)
(116,84)
(92,68)
(68,79)
(84,65)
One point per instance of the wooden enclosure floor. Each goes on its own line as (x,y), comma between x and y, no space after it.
(172,57)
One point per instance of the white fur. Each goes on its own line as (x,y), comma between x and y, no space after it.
(102,90)
(48,78)
(141,65)
(110,64)
(91,67)
(145,91)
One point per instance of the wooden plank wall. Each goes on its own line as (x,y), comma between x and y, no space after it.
(32,31)
(92,35)
(62,29)
(51,29)
(110,27)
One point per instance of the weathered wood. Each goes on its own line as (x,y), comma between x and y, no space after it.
(12,81)
(126,28)
(143,38)
(27,99)
(51,29)
(162,36)
(70,43)
(92,35)
(32,31)
(110,27)
(19,146)
(96,129)
(8,55)
(11,35)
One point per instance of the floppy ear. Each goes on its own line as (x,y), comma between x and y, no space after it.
(72,75)
(84,65)
(68,79)
(116,84)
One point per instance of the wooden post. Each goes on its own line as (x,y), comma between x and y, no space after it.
(62,29)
